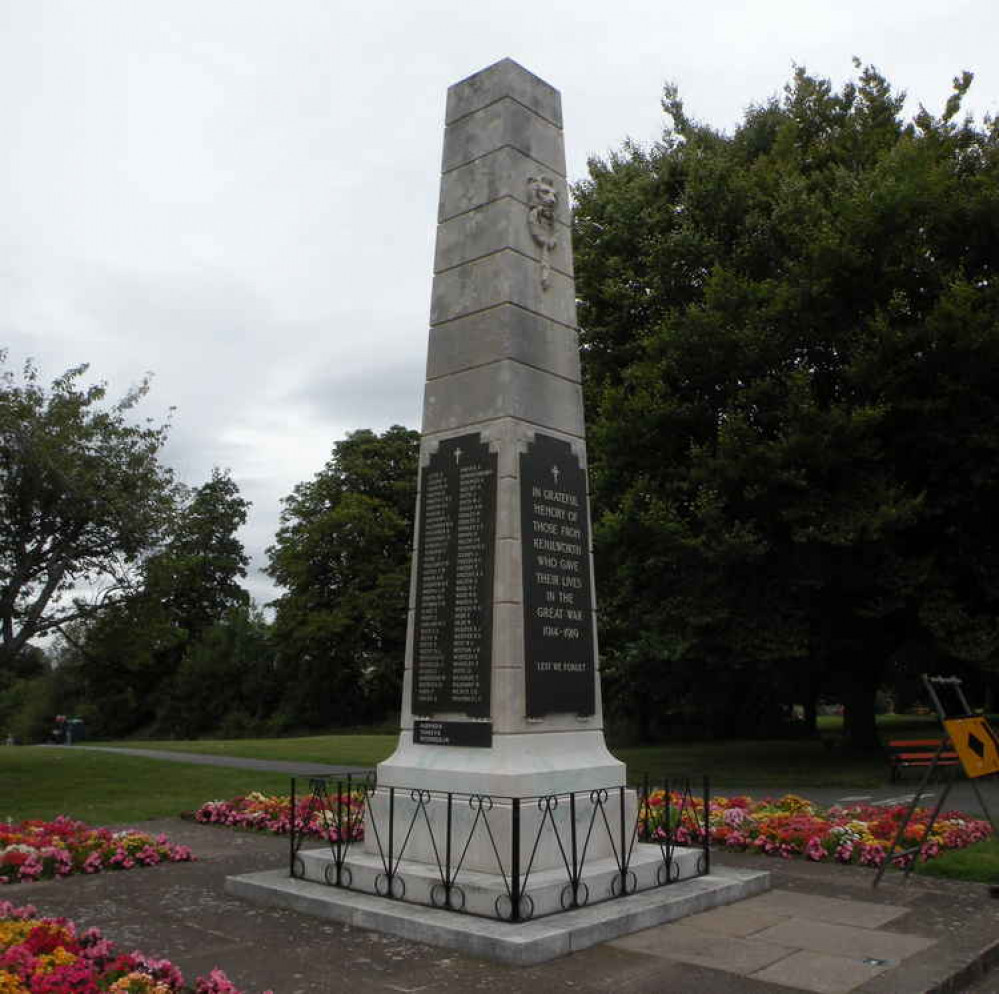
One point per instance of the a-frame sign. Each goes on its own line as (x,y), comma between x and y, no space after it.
(977,746)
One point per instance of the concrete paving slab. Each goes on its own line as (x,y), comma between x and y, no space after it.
(819,972)
(679,941)
(740,920)
(844,940)
(839,911)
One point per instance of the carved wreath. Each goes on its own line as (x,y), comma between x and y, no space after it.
(542,199)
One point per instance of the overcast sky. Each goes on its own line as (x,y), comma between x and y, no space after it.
(239,196)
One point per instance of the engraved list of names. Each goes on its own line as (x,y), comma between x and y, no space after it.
(558,616)
(454,584)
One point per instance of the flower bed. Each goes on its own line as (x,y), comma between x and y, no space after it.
(271,814)
(792,826)
(50,956)
(786,827)
(36,850)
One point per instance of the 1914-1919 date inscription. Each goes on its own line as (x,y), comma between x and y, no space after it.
(558,617)
(453,631)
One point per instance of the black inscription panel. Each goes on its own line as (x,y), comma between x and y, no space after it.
(478,734)
(452,651)
(558,620)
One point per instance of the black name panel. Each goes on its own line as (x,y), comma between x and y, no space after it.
(558,619)
(478,734)
(452,650)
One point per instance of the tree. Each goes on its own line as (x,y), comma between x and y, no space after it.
(790,337)
(195,577)
(126,658)
(83,497)
(342,555)
(226,683)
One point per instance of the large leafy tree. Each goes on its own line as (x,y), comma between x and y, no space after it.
(342,555)
(83,497)
(125,661)
(790,344)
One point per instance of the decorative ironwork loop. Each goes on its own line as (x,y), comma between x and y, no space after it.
(419,795)
(480,802)
(439,897)
(346,877)
(548,803)
(395,888)
(503,907)
(599,796)
(582,896)
(630,883)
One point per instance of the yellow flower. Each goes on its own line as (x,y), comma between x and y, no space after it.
(9,984)
(13,932)
(47,962)
(138,983)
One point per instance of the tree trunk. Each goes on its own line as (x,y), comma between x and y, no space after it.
(811,709)
(860,731)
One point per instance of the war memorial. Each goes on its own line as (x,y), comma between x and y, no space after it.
(501,825)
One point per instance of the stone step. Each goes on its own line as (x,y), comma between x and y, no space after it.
(522,943)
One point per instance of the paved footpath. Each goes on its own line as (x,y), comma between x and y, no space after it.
(236,762)
(822,928)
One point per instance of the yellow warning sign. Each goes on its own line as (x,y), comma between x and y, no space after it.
(976,744)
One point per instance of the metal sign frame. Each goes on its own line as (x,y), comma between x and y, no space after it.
(963,716)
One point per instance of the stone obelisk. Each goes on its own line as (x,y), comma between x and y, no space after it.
(502,693)
(501,715)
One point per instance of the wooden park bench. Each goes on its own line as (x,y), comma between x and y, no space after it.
(918,752)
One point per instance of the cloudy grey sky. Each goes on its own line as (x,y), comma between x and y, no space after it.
(240,195)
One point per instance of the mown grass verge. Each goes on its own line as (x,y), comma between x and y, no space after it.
(793,764)
(337,750)
(978,863)
(107,789)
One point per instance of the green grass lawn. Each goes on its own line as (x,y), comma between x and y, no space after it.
(107,789)
(777,764)
(978,863)
(39,782)
(782,765)
(337,750)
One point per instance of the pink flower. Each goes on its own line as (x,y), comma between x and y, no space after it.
(814,850)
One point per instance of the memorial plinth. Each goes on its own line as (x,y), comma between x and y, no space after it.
(501,692)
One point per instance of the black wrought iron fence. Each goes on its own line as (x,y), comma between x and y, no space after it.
(540,853)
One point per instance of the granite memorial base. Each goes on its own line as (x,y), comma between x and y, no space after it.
(524,943)
(481,828)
